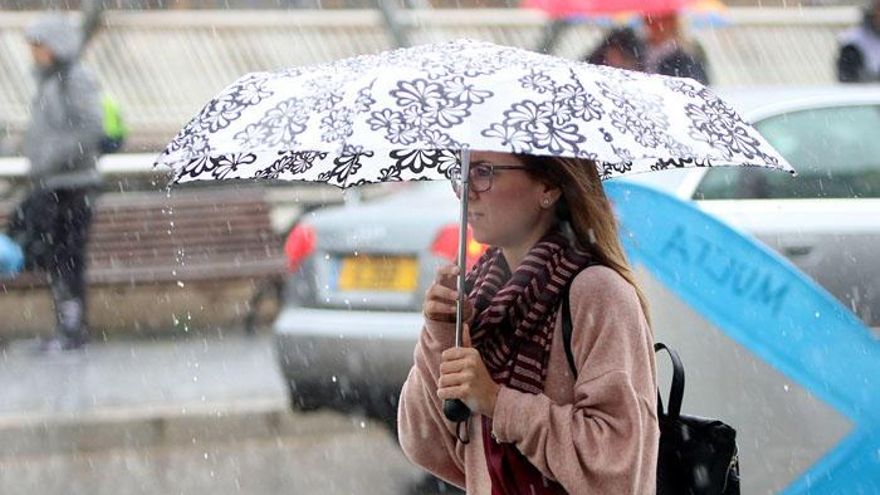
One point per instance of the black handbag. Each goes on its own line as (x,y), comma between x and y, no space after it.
(697,456)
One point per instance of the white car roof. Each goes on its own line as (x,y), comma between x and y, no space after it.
(757,103)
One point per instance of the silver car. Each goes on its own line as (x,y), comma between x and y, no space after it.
(352,314)
(352,308)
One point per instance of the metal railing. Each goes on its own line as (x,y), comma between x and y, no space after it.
(163,66)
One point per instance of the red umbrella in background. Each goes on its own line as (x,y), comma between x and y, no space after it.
(571,8)
(698,13)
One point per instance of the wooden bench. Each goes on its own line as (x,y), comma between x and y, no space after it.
(195,239)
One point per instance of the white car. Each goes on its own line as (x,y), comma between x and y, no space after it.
(352,314)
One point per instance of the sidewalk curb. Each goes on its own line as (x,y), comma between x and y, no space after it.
(137,428)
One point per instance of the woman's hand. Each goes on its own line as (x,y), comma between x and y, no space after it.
(442,297)
(464,376)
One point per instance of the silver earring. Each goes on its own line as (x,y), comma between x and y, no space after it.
(545,202)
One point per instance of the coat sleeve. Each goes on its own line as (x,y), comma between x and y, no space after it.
(606,440)
(849,64)
(427,438)
(81,128)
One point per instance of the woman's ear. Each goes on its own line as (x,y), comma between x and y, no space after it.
(551,194)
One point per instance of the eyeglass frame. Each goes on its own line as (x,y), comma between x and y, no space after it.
(456,175)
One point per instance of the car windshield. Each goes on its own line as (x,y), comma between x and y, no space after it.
(835,151)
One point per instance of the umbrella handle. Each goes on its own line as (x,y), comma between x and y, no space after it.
(454,409)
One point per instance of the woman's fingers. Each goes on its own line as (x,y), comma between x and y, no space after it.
(447,276)
(449,367)
(438,292)
(441,298)
(456,392)
(455,379)
(439,311)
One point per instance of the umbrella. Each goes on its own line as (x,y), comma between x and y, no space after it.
(698,13)
(415,114)
(565,8)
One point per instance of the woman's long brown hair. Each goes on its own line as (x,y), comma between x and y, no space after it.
(586,209)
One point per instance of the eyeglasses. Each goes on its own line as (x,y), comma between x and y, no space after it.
(480,176)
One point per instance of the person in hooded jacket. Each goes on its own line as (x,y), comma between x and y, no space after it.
(62,144)
(859,56)
(669,52)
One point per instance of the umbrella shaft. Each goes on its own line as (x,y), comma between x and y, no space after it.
(462,243)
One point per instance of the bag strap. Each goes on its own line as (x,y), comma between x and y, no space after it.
(676,390)
(566,319)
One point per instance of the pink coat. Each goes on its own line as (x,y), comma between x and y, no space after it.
(595,433)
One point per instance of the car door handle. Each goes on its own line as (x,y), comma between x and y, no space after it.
(797,250)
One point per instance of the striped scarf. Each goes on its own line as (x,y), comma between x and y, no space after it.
(513,330)
(516,313)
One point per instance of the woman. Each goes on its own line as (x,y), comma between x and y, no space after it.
(536,428)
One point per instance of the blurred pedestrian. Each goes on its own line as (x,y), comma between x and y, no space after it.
(620,48)
(669,52)
(62,145)
(859,57)
(535,428)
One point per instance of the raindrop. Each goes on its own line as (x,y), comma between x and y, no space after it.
(785,387)
(333,379)
(363,424)
(180,284)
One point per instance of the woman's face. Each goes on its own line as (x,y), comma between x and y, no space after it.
(516,209)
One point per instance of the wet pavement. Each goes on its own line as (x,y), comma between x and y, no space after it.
(206,415)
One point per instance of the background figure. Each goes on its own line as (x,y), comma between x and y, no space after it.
(62,145)
(621,48)
(669,53)
(859,57)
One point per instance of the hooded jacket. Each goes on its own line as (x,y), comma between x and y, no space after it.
(859,57)
(63,139)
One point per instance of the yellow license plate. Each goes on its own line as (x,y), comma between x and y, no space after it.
(379,273)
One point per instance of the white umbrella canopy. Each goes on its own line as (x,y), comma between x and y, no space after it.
(406,115)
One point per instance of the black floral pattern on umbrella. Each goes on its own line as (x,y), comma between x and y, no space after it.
(407,113)
(295,163)
(226,166)
(345,166)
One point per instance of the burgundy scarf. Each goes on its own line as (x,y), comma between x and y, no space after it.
(513,330)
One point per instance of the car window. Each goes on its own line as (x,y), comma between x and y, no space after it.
(836,152)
